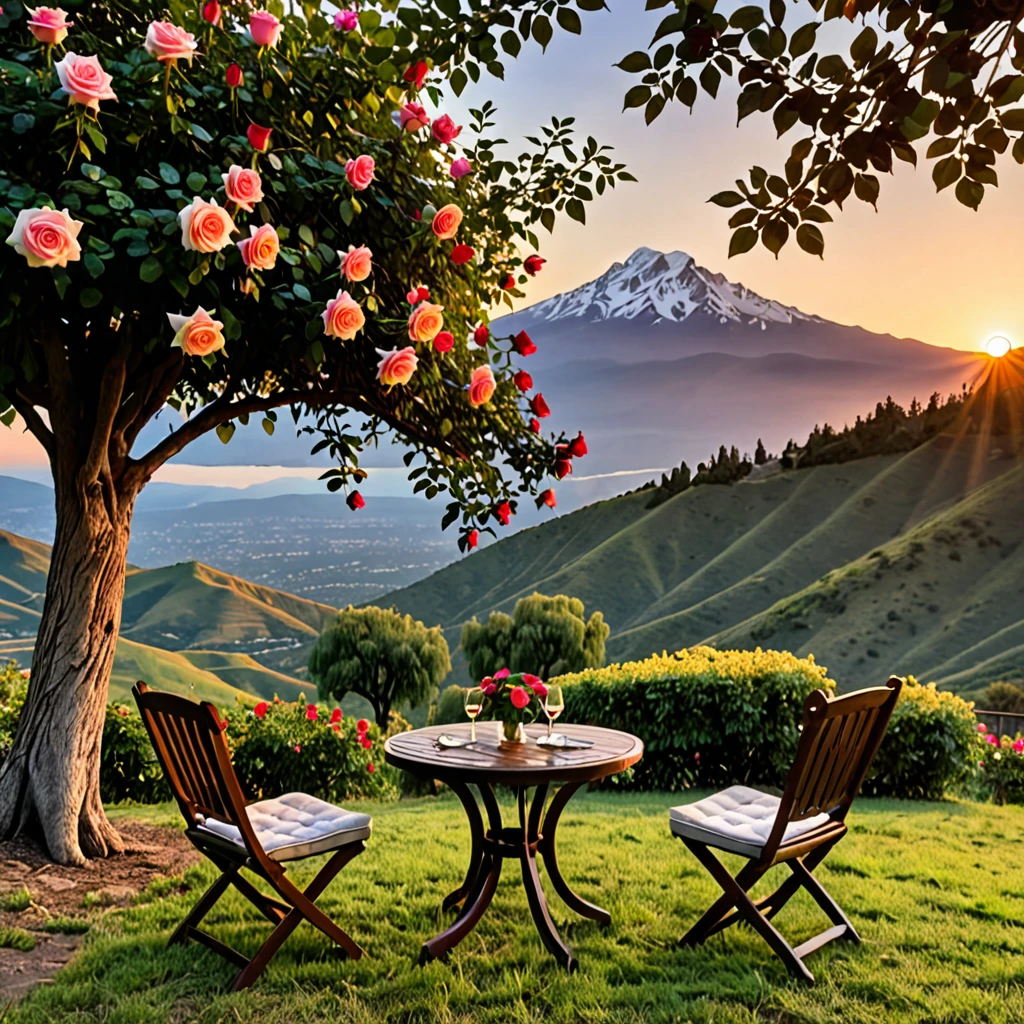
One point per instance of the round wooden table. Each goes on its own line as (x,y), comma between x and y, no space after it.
(487,763)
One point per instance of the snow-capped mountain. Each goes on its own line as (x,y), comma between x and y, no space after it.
(665,286)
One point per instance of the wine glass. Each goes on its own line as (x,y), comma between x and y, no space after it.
(474,705)
(554,705)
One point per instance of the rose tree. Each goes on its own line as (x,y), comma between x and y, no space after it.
(229,209)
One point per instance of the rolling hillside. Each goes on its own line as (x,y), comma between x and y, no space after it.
(748,564)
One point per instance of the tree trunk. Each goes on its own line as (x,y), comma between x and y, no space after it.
(52,773)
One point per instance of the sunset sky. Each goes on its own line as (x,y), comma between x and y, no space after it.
(922,267)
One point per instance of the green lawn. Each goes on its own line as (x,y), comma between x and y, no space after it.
(936,890)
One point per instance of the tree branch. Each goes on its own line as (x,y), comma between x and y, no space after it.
(34,422)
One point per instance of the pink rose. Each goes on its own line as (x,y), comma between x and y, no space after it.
(205,226)
(84,80)
(502,673)
(169,42)
(49,25)
(212,12)
(535,683)
(460,168)
(311,712)
(46,238)
(481,387)
(444,341)
(346,21)
(519,697)
(359,172)
(357,263)
(1018,746)
(265,28)
(198,334)
(445,130)
(244,187)
(396,366)
(426,320)
(490,689)
(259,251)
(412,117)
(343,317)
(447,221)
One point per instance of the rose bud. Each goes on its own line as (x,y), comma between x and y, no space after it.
(445,130)
(211,12)
(416,74)
(548,498)
(535,426)
(523,380)
(523,344)
(234,77)
(259,138)
(460,168)
(532,264)
(423,293)
(577,446)
(504,513)
(472,539)
(563,467)
(509,282)
(443,341)
(539,407)
(482,335)
(462,254)
(355,500)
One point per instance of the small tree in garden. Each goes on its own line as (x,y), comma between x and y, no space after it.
(389,659)
(545,636)
(230,209)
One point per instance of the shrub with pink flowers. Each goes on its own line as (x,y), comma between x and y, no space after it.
(1000,767)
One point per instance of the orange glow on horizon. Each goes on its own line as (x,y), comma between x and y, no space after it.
(998,345)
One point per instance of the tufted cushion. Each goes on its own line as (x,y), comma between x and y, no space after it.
(297,825)
(738,819)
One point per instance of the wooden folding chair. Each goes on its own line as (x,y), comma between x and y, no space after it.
(839,741)
(260,836)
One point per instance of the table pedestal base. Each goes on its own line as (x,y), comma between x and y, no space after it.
(491,848)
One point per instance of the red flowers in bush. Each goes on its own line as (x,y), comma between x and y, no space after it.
(443,341)
(261,709)
(336,716)
(259,137)
(509,282)
(416,74)
(211,12)
(539,407)
(504,513)
(547,498)
(472,539)
(563,467)
(482,335)
(234,77)
(535,426)
(462,254)
(532,264)
(523,380)
(578,446)
(523,344)
(311,712)
(355,501)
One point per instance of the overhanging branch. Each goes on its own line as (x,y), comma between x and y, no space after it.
(34,422)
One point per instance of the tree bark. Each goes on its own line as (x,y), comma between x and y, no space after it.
(51,776)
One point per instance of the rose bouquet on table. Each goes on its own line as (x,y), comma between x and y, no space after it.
(514,700)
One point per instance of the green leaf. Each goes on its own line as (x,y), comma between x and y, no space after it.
(542,31)
(864,46)
(710,78)
(168,173)
(119,201)
(1013,92)
(510,43)
(774,236)
(306,234)
(726,199)
(635,62)
(970,193)
(637,96)
(743,240)
(568,19)
(746,18)
(225,431)
(301,292)
(150,269)
(90,297)
(946,172)
(196,181)
(803,39)
(268,425)
(654,107)
(147,183)
(576,210)
(93,264)
(810,239)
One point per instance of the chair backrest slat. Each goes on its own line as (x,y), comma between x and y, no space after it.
(839,741)
(194,754)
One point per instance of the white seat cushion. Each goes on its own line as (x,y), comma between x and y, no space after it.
(297,825)
(738,819)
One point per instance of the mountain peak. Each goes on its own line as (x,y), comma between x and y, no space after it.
(664,286)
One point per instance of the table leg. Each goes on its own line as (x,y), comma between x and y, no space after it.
(476,830)
(483,893)
(546,848)
(531,882)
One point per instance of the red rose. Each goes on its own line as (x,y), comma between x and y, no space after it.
(211,12)
(355,500)
(563,467)
(539,407)
(519,697)
(523,344)
(562,451)
(535,426)
(443,341)
(548,498)
(366,742)
(370,767)
(336,715)
(523,380)
(259,138)
(416,74)
(532,264)
(462,254)
(261,709)
(336,727)
(509,282)
(234,76)
(577,446)
(362,726)
(472,539)
(423,293)
(445,130)
(311,712)
(482,335)
(504,513)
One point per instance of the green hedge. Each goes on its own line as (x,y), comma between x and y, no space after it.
(712,718)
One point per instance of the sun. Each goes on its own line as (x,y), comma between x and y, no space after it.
(998,345)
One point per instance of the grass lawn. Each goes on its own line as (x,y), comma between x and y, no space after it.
(936,891)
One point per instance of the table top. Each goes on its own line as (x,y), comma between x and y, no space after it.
(523,764)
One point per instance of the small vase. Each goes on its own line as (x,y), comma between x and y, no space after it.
(511,733)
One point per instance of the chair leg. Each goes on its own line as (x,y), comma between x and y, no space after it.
(821,896)
(718,916)
(201,909)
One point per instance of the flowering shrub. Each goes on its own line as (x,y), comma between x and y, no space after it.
(1001,767)
(129,769)
(310,748)
(707,717)
(12,695)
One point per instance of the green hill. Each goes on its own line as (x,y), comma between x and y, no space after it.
(726,565)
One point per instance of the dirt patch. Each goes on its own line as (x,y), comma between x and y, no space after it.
(54,905)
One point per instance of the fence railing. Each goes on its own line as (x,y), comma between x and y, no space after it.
(1001,723)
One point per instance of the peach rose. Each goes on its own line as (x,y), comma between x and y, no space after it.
(412,117)
(446,221)
(357,263)
(243,187)
(84,80)
(205,226)
(425,321)
(343,317)
(396,366)
(169,42)
(481,386)
(49,24)
(46,238)
(198,334)
(360,172)
(259,251)
(265,28)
